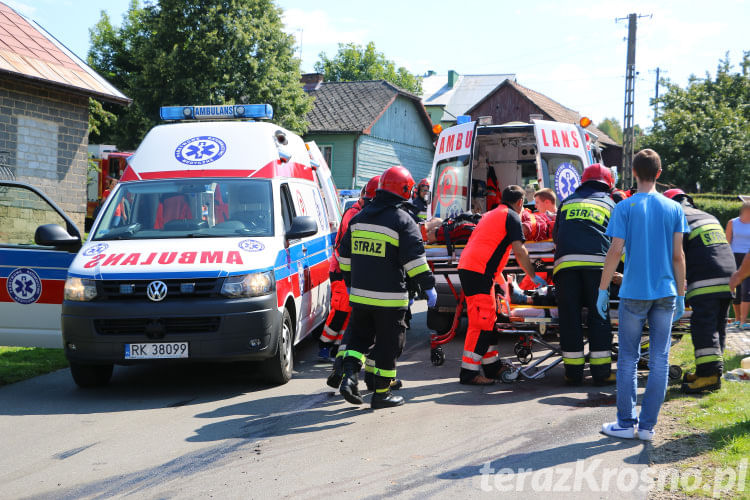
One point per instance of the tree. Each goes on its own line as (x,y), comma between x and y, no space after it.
(213,52)
(99,118)
(702,131)
(612,128)
(354,63)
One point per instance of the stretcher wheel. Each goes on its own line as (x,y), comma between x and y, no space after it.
(524,355)
(675,372)
(437,356)
(508,375)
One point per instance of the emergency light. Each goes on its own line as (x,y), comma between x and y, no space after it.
(462,119)
(253,111)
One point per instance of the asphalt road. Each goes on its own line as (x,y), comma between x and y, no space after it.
(215,431)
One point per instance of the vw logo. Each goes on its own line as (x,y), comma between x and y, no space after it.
(156,291)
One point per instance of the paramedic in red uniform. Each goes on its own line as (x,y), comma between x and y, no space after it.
(338,317)
(383,259)
(485,255)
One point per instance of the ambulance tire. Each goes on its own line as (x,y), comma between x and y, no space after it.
(278,368)
(86,376)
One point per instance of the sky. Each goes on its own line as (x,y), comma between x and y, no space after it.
(573,52)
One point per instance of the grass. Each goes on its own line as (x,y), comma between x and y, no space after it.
(715,425)
(20,363)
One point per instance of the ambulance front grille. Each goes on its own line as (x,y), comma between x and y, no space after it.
(167,326)
(176,288)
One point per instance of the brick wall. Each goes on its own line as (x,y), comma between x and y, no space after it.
(44,141)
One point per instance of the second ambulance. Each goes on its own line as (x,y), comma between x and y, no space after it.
(214,246)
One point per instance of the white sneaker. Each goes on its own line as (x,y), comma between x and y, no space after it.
(613,429)
(645,434)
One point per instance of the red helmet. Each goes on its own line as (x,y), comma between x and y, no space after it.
(397,180)
(677,195)
(598,173)
(371,187)
(423,182)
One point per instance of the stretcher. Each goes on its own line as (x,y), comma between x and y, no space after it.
(534,326)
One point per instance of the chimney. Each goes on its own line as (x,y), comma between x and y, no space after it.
(429,73)
(311,81)
(452,78)
(535,116)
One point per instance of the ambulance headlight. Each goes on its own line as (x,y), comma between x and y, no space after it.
(248,285)
(80,289)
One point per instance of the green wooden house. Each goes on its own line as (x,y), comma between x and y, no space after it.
(362,128)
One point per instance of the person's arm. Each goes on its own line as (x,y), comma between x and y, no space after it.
(741,273)
(522,257)
(611,261)
(678,262)
(729,231)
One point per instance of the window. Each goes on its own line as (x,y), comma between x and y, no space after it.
(21,212)
(550,166)
(327,152)
(451,191)
(287,207)
(180,208)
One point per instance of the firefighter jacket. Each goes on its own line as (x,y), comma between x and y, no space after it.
(382,256)
(333,266)
(708,256)
(579,234)
(417,208)
(490,243)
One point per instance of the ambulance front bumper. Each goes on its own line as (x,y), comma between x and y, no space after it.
(217,329)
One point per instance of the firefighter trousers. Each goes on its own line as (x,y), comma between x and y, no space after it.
(338,317)
(386,328)
(480,349)
(576,289)
(708,329)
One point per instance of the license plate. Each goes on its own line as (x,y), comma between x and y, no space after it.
(156,350)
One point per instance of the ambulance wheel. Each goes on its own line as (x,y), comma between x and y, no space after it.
(86,376)
(437,356)
(278,369)
(675,372)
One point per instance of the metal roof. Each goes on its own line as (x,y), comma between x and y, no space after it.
(466,92)
(29,51)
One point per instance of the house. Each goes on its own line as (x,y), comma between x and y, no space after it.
(364,127)
(44,112)
(512,102)
(447,96)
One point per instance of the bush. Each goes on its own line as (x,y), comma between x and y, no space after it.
(723,207)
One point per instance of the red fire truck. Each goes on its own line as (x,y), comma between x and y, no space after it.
(110,164)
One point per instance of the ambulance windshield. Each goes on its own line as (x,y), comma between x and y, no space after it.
(185,208)
(451,190)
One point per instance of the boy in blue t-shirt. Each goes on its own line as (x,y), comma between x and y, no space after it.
(649,227)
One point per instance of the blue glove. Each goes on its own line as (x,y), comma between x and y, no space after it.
(679,309)
(539,281)
(431,297)
(602,304)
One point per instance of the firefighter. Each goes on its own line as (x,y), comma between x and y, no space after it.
(580,249)
(338,317)
(383,259)
(417,206)
(710,263)
(484,256)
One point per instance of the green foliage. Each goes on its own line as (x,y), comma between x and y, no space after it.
(702,131)
(723,207)
(612,128)
(19,363)
(354,63)
(98,118)
(214,52)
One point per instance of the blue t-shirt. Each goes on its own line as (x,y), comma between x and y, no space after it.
(647,223)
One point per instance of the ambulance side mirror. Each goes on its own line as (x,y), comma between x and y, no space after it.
(302,227)
(55,236)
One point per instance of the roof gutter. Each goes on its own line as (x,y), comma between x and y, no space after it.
(70,88)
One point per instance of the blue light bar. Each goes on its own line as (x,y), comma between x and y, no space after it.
(462,119)
(252,111)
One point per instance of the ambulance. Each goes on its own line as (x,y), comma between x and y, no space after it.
(214,246)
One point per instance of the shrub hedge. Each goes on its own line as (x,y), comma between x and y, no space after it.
(721,206)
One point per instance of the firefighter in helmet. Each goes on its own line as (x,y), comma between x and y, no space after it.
(709,264)
(382,258)
(581,246)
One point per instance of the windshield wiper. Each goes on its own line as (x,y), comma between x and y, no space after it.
(122,233)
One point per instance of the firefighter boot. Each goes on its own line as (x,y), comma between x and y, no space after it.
(349,389)
(702,384)
(689,377)
(574,374)
(334,379)
(610,380)
(396,383)
(383,397)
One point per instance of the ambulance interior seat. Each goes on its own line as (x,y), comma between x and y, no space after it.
(246,205)
(173,207)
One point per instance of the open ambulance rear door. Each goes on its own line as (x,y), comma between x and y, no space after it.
(451,171)
(563,154)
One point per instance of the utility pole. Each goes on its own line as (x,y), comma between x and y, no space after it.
(656,95)
(628,131)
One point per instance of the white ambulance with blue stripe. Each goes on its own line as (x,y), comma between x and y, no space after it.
(214,246)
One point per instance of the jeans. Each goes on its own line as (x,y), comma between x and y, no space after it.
(633,315)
